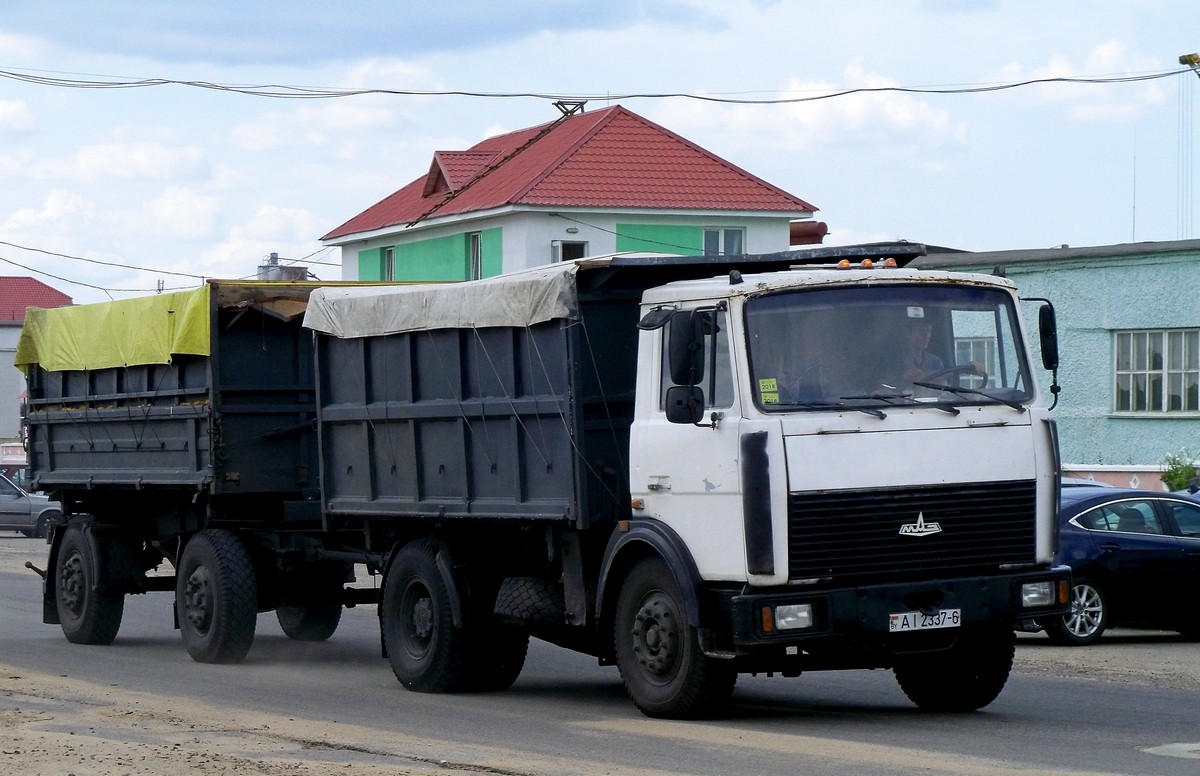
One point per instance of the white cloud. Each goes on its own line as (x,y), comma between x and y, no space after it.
(287,231)
(1083,101)
(855,119)
(15,116)
(61,211)
(16,48)
(179,213)
(126,161)
(259,136)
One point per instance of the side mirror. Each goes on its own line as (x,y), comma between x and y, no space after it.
(685,404)
(1048,335)
(686,347)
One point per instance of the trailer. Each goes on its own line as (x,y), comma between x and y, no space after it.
(689,467)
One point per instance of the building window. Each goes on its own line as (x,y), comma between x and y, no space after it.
(975,350)
(1157,371)
(389,264)
(724,242)
(567,250)
(475,247)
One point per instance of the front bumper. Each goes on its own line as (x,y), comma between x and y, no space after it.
(863,613)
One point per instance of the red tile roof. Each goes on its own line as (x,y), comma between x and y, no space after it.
(17,293)
(611,158)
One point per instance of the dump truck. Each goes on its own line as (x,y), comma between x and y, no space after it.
(689,467)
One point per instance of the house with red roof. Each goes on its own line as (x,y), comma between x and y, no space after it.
(17,294)
(586,184)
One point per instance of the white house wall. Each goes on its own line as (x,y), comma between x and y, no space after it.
(528,235)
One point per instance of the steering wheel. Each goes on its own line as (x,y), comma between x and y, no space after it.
(957,369)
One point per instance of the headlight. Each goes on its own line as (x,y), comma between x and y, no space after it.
(1037,593)
(793,616)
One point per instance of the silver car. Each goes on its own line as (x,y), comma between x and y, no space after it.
(29,513)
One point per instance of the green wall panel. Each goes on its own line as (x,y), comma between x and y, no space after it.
(370,264)
(442,258)
(493,252)
(681,240)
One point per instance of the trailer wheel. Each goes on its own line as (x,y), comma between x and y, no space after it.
(87,617)
(658,653)
(309,622)
(968,677)
(216,597)
(427,653)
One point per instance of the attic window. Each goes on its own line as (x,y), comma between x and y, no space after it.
(435,182)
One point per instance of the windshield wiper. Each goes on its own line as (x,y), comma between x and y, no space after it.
(839,405)
(964,391)
(909,401)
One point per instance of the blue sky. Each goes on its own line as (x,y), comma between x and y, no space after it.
(204,182)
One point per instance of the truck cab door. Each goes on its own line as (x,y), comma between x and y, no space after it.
(687,474)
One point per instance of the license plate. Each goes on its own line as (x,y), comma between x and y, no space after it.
(914,621)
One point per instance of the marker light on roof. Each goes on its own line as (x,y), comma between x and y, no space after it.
(844,264)
(867,264)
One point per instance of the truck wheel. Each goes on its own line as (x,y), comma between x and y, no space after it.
(966,678)
(658,653)
(87,617)
(216,597)
(427,653)
(310,622)
(500,652)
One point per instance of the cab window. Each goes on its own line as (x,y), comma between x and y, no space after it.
(718,370)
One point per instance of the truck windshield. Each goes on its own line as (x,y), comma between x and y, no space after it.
(870,348)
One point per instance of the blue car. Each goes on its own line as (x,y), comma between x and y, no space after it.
(1134,557)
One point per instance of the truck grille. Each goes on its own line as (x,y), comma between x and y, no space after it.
(855,536)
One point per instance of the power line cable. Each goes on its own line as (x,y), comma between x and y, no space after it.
(285,91)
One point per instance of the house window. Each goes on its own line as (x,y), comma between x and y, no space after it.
(475,248)
(724,242)
(975,350)
(567,250)
(389,263)
(1157,371)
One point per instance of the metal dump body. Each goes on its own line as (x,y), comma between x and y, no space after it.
(525,421)
(228,411)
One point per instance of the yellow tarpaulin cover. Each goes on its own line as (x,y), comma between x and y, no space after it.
(126,332)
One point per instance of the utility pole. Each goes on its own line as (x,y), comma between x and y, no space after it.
(1186,173)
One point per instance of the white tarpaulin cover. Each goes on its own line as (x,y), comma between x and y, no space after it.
(517,299)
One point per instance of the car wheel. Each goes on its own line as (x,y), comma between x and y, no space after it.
(43,524)
(1087,619)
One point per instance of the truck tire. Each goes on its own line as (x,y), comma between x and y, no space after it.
(966,678)
(658,653)
(216,597)
(426,651)
(309,622)
(87,617)
(499,656)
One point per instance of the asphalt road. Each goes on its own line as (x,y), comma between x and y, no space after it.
(1130,705)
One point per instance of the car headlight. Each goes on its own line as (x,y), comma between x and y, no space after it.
(1037,593)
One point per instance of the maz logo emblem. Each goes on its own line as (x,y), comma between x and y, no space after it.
(920,528)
